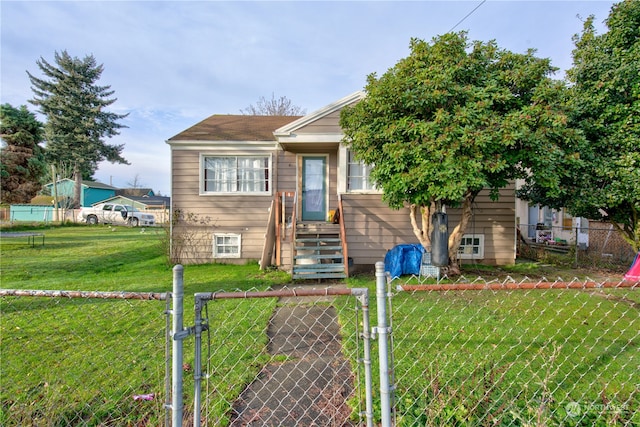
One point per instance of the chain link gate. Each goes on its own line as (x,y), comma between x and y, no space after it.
(299,374)
(279,362)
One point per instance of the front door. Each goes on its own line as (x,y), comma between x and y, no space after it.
(314,188)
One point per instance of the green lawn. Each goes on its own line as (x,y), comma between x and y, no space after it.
(80,362)
(461,358)
(467,358)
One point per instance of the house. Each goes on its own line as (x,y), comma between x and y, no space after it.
(286,191)
(544,225)
(92,192)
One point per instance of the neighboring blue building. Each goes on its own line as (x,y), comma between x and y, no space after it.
(92,192)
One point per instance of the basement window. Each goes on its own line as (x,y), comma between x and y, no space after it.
(471,247)
(226,245)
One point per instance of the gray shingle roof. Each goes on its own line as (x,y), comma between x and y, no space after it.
(234,128)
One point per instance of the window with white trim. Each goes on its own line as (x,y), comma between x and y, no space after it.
(471,246)
(236,174)
(226,245)
(358,174)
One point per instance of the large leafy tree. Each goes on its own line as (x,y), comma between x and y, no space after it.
(602,180)
(452,119)
(22,164)
(78,122)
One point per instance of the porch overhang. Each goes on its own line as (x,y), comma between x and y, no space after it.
(308,142)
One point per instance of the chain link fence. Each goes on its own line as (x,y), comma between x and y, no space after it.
(596,245)
(528,353)
(463,353)
(83,358)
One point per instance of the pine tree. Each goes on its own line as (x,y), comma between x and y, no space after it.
(22,164)
(77,118)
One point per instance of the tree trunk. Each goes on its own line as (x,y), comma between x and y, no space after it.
(455,237)
(77,191)
(422,231)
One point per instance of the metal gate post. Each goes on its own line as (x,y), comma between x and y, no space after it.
(363,297)
(167,361)
(197,362)
(177,359)
(383,350)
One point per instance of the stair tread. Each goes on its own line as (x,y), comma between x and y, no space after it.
(320,276)
(309,272)
(318,248)
(320,239)
(319,256)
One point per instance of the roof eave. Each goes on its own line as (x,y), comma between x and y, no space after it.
(186,144)
(290,128)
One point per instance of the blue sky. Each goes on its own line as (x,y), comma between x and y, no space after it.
(174,63)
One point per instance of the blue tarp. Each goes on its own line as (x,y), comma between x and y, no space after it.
(403,259)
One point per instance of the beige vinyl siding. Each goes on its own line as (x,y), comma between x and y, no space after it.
(286,171)
(497,221)
(373,228)
(245,215)
(325,125)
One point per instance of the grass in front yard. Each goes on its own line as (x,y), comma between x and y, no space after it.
(513,357)
(461,358)
(81,362)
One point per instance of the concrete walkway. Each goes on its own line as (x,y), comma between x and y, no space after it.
(312,383)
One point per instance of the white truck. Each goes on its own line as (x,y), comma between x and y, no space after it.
(112,213)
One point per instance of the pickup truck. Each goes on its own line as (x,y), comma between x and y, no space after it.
(111,213)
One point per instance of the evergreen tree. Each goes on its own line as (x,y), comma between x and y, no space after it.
(22,164)
(77,120)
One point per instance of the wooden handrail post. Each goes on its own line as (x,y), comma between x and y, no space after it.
(343,237)
(277,214)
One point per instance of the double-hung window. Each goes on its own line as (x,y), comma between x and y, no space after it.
(358,174)
(236,174)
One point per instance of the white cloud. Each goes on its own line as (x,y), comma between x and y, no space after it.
(173,63)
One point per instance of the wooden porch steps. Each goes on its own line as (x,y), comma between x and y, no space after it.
(318,252)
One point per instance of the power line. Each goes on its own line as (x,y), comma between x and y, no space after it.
(467,15)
